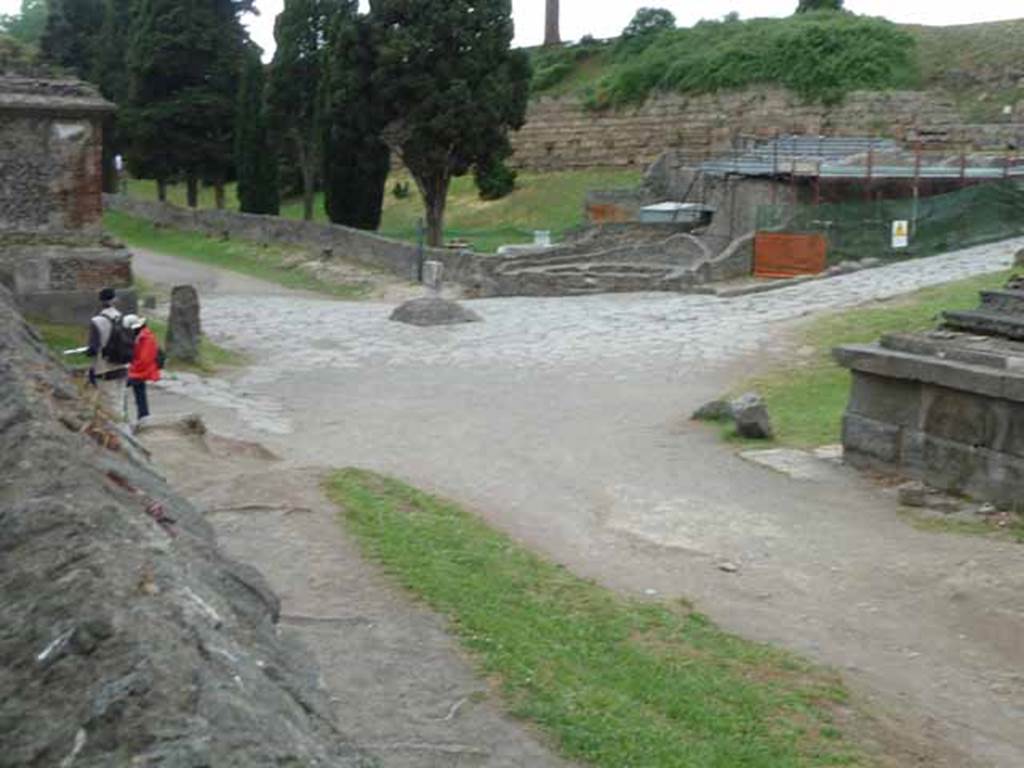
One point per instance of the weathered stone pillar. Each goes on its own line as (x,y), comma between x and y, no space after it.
(183,328)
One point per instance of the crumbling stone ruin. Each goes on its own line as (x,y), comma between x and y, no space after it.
(126,637)
(53,253)
(945,407)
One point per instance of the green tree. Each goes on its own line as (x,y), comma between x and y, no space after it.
(454,86)
(294,92)
(28,24)
(819,5)
(70,39)
(110,73)
(184,61)
(255,163)
(649,21)
(355,159)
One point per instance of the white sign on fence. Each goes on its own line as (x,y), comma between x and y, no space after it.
(900,234)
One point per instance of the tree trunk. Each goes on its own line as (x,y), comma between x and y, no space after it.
(218,194)
(551,33)
(435,199)
(161,190)
(192,191)
(307,164)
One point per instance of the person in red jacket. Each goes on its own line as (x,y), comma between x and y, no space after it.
(144,365)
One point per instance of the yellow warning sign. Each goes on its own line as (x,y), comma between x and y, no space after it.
(900,234)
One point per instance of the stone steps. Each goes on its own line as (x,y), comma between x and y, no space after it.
(987,323)
(1004,301)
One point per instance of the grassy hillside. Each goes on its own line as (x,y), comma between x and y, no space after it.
(820,56)
(552,201)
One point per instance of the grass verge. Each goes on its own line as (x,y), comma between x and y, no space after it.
(807,397)
(211,356)
(272,263)
(614,682)
(551,201)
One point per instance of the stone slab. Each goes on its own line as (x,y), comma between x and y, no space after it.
(70,307)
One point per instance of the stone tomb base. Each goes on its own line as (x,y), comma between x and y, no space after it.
(58,282)
(945,408)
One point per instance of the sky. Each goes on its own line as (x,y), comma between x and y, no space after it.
(606,18)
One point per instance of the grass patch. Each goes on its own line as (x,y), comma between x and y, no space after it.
(807,397)
(551,201)
(211,356)
(614,682)
(270,262)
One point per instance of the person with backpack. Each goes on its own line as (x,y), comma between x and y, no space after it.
(146,363)
(112,346)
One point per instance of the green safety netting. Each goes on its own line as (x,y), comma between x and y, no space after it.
(862,229)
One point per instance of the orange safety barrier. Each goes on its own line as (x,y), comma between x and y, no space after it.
(782,255)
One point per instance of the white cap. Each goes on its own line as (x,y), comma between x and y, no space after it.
(133,322)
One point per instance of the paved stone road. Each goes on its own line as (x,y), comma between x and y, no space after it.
(563,422)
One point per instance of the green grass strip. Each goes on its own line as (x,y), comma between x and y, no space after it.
(614,682)
(806,397)
(269,263)
(211,356)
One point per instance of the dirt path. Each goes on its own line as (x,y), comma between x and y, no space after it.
(398,683)
(563,423)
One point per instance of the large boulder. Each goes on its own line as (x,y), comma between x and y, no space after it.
(751,415)
(433,310)
(126,636)
(183,328)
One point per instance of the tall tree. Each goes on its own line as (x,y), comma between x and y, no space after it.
(551,34)
(356,161)
(819,5)
(28,24)
(301,32)
(70,39)
(454,86)
(255,163)
(184,61)
(110,73)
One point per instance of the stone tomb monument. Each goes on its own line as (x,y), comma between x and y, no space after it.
(53,253)
(945,407)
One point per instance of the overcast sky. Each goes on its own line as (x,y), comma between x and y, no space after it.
(606,18)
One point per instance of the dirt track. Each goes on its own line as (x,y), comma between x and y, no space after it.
(563,422)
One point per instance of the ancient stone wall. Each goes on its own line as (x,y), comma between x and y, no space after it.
(394,256)
(128,637)
(560,133)
(52,251)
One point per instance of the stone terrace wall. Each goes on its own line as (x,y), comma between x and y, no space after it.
(125,641)
(394,256)
(561,134)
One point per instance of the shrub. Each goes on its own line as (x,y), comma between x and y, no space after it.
(821,56)
(494,179)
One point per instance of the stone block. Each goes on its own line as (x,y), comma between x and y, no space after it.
(70,307)
(873,439)
(895,401)
(183,325)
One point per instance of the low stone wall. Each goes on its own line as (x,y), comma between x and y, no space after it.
(393,256)
(127,641)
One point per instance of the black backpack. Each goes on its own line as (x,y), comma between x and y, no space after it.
(120,346)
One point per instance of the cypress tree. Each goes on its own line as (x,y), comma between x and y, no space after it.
(356,160)
(294,89)
(255,163)
(70,38)
(184,61)
(454,88)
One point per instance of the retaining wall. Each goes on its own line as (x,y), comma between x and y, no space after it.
(560,133)
(331,240)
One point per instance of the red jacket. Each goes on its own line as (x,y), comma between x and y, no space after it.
(144,367)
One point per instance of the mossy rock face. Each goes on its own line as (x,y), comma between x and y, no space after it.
(432,310)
